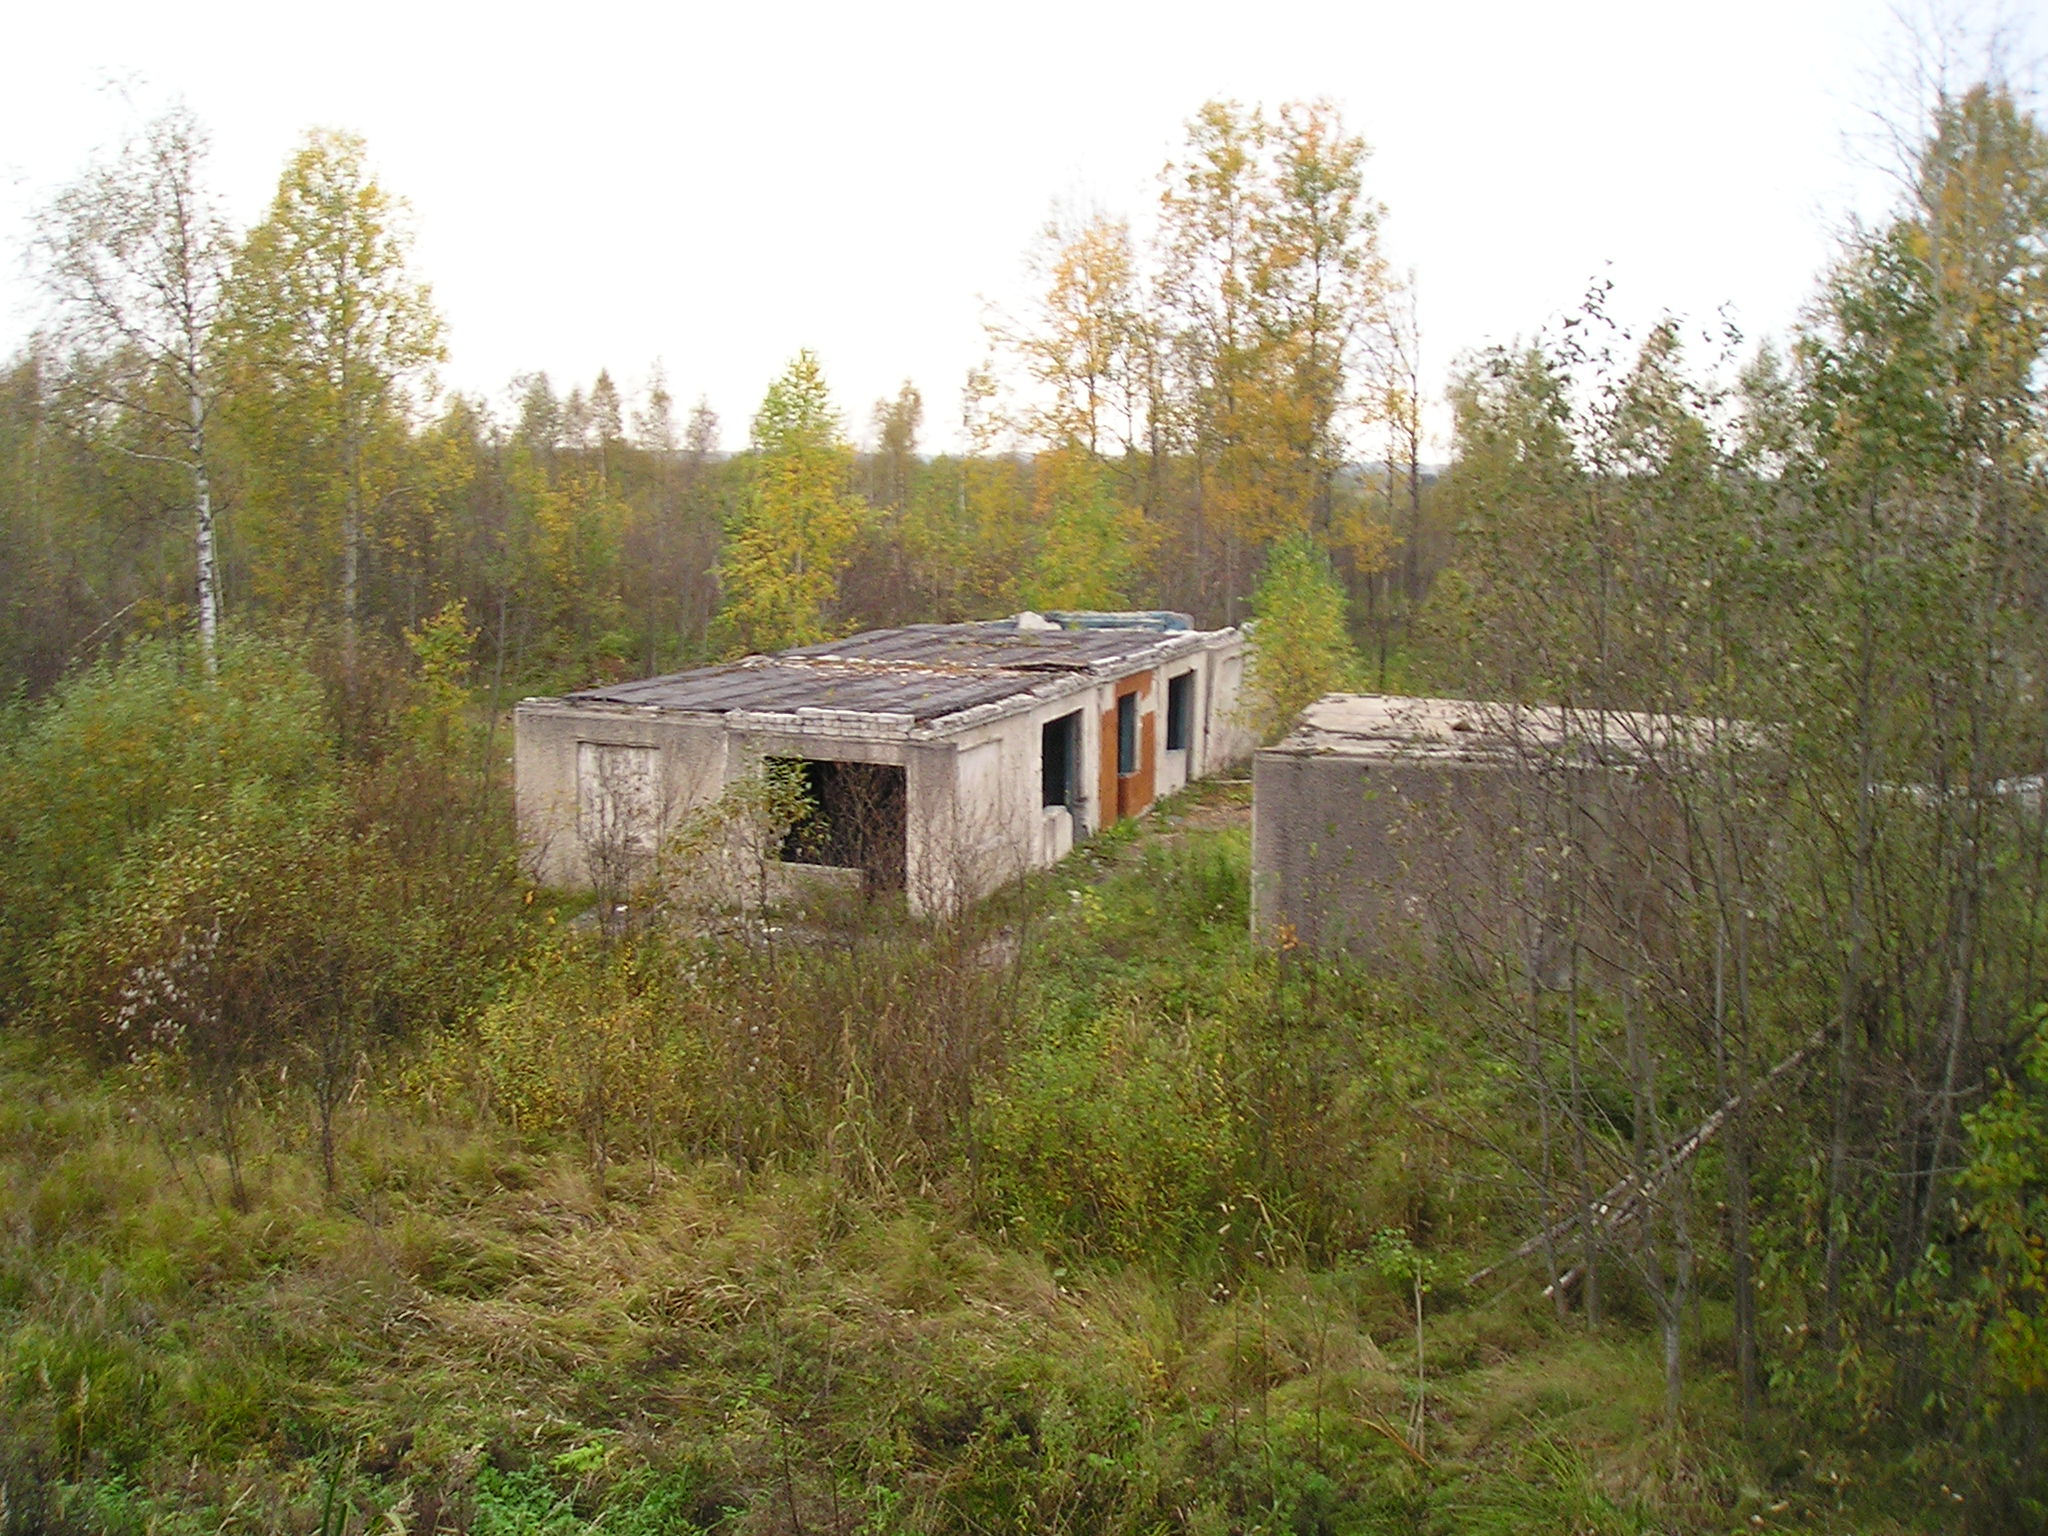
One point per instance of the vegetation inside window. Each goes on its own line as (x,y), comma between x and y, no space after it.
(855,817)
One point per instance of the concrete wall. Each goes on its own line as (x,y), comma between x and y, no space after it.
(975,812)
(1371,857)
(1000,822)
(1520,849)
(699,756)
(554,813)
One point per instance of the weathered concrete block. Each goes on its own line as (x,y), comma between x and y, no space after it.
(1543,837)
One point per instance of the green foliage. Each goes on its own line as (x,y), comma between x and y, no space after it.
(253,937)
(584,1050)
(577,528)
(1301,646)
(1395,1256)
(1120,1139)
(135,255)
(1551,1489)
(860,1054)
(198,885)
(1832,555)
(117,748)
(1196,403)
(1082,1213)
(1090,547)
(1183,1108)
(2005,1185)
(522,1504)
(729,851)
(814,1292)
(325,333)
(438,720)
(780,570)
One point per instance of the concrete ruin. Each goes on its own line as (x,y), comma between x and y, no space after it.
(1381,824)
(941,760)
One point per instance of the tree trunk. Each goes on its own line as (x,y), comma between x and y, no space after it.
(202,504)
(1733,1064)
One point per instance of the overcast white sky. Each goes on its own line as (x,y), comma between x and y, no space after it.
(602,184)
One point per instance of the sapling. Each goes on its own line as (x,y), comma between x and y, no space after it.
(1399,1261)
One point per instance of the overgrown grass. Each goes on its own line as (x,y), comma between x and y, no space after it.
(1060,1220)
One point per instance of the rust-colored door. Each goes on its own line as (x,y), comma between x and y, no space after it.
(1134,790)
(1130,739)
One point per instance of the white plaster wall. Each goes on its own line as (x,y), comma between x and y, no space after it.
(547,738)
(990,825)
(1226,737)
(973,794)
(1217,737)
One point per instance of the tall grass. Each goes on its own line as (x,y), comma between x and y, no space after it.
(1053,1219)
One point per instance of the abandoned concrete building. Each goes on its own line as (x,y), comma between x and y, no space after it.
(1381,823)
(941,759)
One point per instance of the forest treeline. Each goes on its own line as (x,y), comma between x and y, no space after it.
(243,426)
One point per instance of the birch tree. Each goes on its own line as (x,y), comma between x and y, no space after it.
(329,330)
(1086,345)
(1922,502)
(1270,273)
(134,256)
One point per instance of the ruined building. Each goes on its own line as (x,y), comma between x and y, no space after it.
(940,759)
(1485,831)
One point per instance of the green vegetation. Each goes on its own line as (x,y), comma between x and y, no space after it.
(395,1204)
(222,428)
(1301,647)
(351,1184)
(1086,1215)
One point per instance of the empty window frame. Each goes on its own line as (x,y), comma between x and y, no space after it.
(856,817)
(1180,711)
(1126,734)
(1059,760)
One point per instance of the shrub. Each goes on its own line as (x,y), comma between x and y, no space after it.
(267,935)
(1300,644)
(1120,1137)
(119,747)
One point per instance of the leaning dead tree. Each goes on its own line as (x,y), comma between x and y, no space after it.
(1630,1197)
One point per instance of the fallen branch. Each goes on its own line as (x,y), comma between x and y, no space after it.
(1625,1199)
(1381,1427)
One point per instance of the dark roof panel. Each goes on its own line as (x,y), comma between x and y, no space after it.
(775,686)
(923,671)
(989,645)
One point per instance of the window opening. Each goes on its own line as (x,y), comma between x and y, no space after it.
(1127,733)
(857,818)
(1180,709)
(1059,758)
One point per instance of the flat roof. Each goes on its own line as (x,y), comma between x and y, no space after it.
(923,672)
(775,686)
(1000,645)
(1389,726)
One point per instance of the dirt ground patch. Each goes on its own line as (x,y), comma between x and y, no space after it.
(1208,806)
